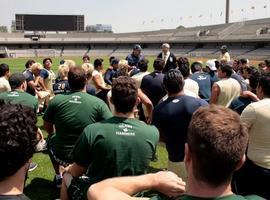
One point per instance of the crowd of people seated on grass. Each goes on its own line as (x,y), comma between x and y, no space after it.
(104,126)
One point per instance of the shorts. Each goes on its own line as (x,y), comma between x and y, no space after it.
(55,157)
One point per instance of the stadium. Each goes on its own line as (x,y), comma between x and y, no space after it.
(197,51)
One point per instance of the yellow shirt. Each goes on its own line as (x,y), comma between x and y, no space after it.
(257,117)
(229,90)
(225,56)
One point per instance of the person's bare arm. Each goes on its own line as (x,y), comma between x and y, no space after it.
(41,82)
(148,104)
(215,94)
(33,84)
(48,127)
(249,94)
(75,170)
(122,188)
(98,83)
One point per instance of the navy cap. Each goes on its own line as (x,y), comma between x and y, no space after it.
(137,47)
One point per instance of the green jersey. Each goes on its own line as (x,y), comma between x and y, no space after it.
(19,97)
(229,197)
(71,113)
(116,147)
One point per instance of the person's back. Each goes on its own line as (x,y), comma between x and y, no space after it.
(118,146)
(152,84)
(203,80)
(229,90)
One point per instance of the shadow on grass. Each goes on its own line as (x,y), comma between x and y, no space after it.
(41,189)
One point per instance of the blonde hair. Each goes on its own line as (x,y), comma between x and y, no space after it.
(36,66)
(63,71)
(88,68)
(70,63)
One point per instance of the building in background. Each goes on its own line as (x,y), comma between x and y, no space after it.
(105,28)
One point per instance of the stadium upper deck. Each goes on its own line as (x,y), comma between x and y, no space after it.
(249,38)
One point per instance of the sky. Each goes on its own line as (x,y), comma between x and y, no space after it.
(140,15)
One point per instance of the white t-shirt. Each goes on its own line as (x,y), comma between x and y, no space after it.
(97,73)
(4,85)
(191,86)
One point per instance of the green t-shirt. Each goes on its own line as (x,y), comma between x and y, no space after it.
(229,197)
(19,97)
(71,113)
(116,147)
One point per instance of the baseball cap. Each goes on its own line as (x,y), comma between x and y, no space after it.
(211,64)
(137,47)
(223,47)
(114,61)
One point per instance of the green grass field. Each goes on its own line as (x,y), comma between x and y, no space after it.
(39,185)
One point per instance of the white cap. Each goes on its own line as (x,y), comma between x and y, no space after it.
(211,64)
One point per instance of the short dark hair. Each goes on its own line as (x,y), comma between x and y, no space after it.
(254,78)
(16,80)
(77,78)
(243,61)
(264,83)
(143,65)
(196,66)
(183,65)
(173,81)
(98,62)
(29,63)
(18,133)
(158,64)
(227,69)
(111,58)
(124,94)
(86,56)
(4,68)
(217,140)
(45,59)
(267,62)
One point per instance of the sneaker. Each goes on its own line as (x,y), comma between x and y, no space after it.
(32,166)
(58,181)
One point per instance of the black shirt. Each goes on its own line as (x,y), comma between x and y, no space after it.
(61,87)
(29,76)
(152,86)
(172,118)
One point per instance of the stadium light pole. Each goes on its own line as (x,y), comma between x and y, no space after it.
(227,11)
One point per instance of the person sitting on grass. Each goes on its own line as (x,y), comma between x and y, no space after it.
(119,146)
(4,74)
(18,133)
(70,114)
(214,150)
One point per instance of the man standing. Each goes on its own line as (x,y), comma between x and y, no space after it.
(168,57)
(225,90)
(119,146)
(4,74)
(70,114)
(209,160)
(134,58)
(257,168)
(47,76)
(224,56)
(172,118)
(203,80)
(152,84)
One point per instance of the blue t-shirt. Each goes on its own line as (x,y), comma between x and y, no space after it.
(134,60)
(29,77)
(61,87)
(152,86)
(241,81)
(44,74)
(90,90)
(204,82)
(172,118)
(109,75)
(213,77)
(239,104)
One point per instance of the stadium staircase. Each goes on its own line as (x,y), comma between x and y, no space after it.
(229,30)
